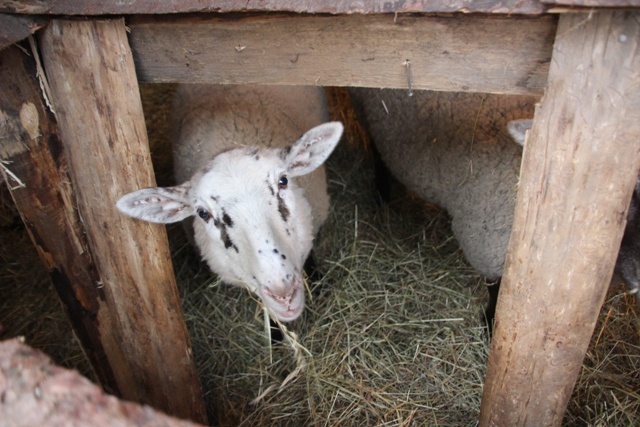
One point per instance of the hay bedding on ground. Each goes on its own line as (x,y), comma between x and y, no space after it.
(393,330)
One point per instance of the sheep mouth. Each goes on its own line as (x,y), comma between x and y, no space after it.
(289,315)
(286,308)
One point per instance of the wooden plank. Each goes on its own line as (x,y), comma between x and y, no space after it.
(580,163)
(106,7)
(30,144)
(461,53)
(593,3)
(96,98)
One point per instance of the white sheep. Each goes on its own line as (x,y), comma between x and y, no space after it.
(455,150)
(256,188)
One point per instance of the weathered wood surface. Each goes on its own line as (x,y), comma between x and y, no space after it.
(106,7)
(580,163)
(30,145)
(462,53)
(37,393)
(95,95)
(593,3)
(16,28)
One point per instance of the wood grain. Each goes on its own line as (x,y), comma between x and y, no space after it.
(107,7)
(579,167)
(461,53)
(96,98)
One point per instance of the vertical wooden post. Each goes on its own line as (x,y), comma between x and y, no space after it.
(580,163)
(95,95)
(30,145)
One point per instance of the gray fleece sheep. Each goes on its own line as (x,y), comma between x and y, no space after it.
(256,188)
(453,149)
(457,150)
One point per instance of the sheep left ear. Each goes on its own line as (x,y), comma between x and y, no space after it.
(158,204)
(312,149)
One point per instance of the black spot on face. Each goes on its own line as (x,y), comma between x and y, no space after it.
(227,219)
(283,209)
(271,190)
(224,235)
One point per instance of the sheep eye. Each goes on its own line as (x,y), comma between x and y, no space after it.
(283,182)
(204,214)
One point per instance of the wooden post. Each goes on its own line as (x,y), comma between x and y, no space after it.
(581,160)
(95,95)
(30,145)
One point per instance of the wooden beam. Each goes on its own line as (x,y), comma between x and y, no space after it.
(580,163)
(108,7)
(460,53)
(96,99)
(593,3)
(30,145)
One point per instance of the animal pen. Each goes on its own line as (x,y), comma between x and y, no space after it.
(74,133)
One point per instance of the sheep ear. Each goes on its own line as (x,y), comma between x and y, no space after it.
(312,149)
(159,205)
(518,130)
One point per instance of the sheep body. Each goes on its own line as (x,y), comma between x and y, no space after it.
(257,192)
(454,150)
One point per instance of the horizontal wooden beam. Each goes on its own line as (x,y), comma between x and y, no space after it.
(593,3)
(460,53)
(107,7)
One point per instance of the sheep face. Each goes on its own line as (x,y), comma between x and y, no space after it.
(253,224)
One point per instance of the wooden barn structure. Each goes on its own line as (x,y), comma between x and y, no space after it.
(74,132)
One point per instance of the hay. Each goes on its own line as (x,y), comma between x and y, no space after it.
(392,329)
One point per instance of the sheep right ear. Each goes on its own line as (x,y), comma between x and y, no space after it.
(518,130)
(159,205)
(312,149)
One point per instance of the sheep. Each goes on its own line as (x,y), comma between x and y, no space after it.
(257,191)
(457,150)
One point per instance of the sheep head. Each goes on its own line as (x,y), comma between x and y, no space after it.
(253,223)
